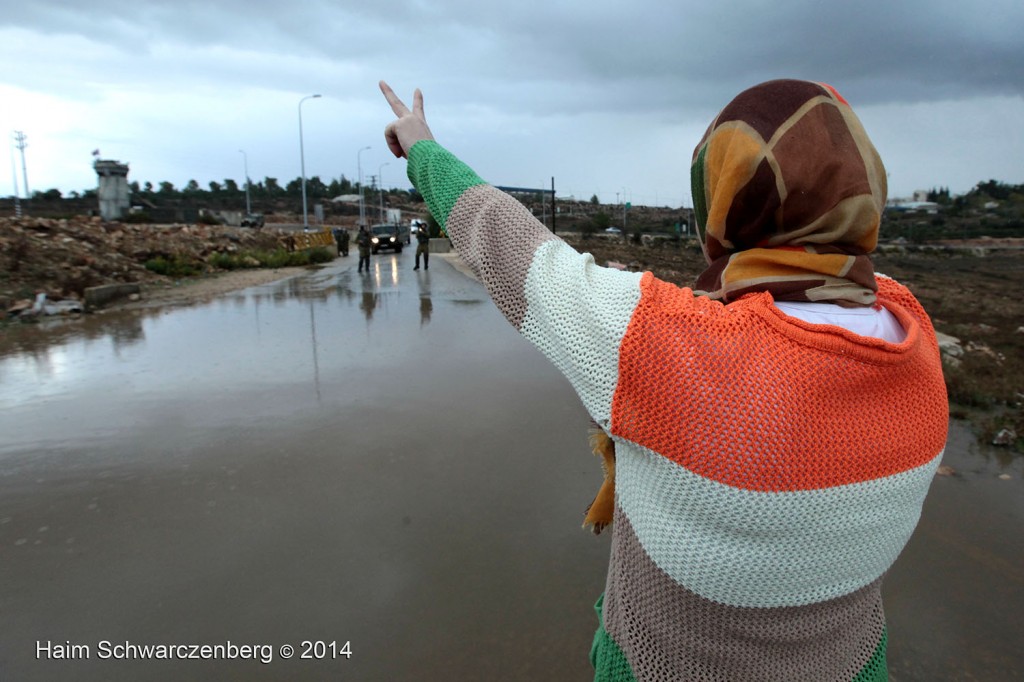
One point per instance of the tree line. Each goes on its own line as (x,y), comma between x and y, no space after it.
(267,188)
(316,188)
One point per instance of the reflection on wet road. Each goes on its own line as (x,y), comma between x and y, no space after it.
(375,458)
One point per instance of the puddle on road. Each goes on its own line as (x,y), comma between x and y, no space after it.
(376,458)
(293,345)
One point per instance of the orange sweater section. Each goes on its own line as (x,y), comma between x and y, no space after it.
(746,396)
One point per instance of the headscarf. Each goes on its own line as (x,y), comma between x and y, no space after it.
(788,195)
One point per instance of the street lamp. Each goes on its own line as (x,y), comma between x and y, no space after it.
(245,159)
(380,178)
(625,205)
(302,159)
(359,167)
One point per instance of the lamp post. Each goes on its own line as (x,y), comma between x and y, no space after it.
(302,160)
(19,139)
(359,170)
(14,175)
(625,205)
(248,205)
(380,179)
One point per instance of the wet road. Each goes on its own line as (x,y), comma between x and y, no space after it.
(378,460)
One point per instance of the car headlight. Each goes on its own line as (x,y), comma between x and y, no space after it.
(375,240)
(392,239)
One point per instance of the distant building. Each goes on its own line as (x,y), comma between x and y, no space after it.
(114,195)
(903,205)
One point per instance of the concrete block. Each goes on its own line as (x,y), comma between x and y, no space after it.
(97,297)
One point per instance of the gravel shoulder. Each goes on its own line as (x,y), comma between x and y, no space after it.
(190,291)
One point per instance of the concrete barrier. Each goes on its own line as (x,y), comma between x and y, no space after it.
(97,297)
(440,245)
(298,241)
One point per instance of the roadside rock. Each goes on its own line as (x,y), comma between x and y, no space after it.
(950,348)
(1005,437)
(983,349)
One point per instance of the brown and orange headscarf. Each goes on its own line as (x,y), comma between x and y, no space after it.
(788,194)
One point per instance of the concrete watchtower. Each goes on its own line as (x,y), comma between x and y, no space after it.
(113,188)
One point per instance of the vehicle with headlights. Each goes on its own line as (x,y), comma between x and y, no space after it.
(389,236)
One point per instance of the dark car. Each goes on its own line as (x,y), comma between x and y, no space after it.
(386,236)
(252,220)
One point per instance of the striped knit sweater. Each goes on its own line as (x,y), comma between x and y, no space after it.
(768,472)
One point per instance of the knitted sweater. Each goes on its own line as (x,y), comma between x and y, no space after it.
(769,471)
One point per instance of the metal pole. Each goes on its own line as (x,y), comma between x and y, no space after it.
(248,206)
(302,160)
(20,137)
(624,203)
(380,179)
(553,212)
(14,176)
(543,209)
(359,170)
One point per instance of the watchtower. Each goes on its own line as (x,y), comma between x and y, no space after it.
(113,188)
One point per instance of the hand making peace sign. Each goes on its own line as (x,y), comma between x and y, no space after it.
(410,127)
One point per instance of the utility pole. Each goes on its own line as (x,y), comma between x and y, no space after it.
(14,176)
(359,171)
(302,160)
(553,204)
(543,209)
(19,142)
(625,205)
(373,187)
(380,177)
(248,205)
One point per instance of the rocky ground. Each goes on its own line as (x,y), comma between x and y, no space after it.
(63,257)
(972,290)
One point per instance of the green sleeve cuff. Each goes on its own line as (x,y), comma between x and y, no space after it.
(439,177)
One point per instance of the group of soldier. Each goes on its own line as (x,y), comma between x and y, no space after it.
(364,242)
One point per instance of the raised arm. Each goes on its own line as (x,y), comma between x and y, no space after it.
(574,311)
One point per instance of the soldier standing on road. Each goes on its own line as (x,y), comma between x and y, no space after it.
(341,238)
(363,241)
(423,246)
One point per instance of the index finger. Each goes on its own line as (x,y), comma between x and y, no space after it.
(397,105)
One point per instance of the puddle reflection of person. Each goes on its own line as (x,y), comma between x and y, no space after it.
(775,428)
(368,304)
(426,308)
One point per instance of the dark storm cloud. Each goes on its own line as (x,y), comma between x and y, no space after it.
(554,58)
(607,95)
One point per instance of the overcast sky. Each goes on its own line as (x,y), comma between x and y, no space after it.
(609,98)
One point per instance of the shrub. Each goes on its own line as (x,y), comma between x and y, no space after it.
(175,267)
(298,258)
(225,261)
(274,259)
(320,255)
